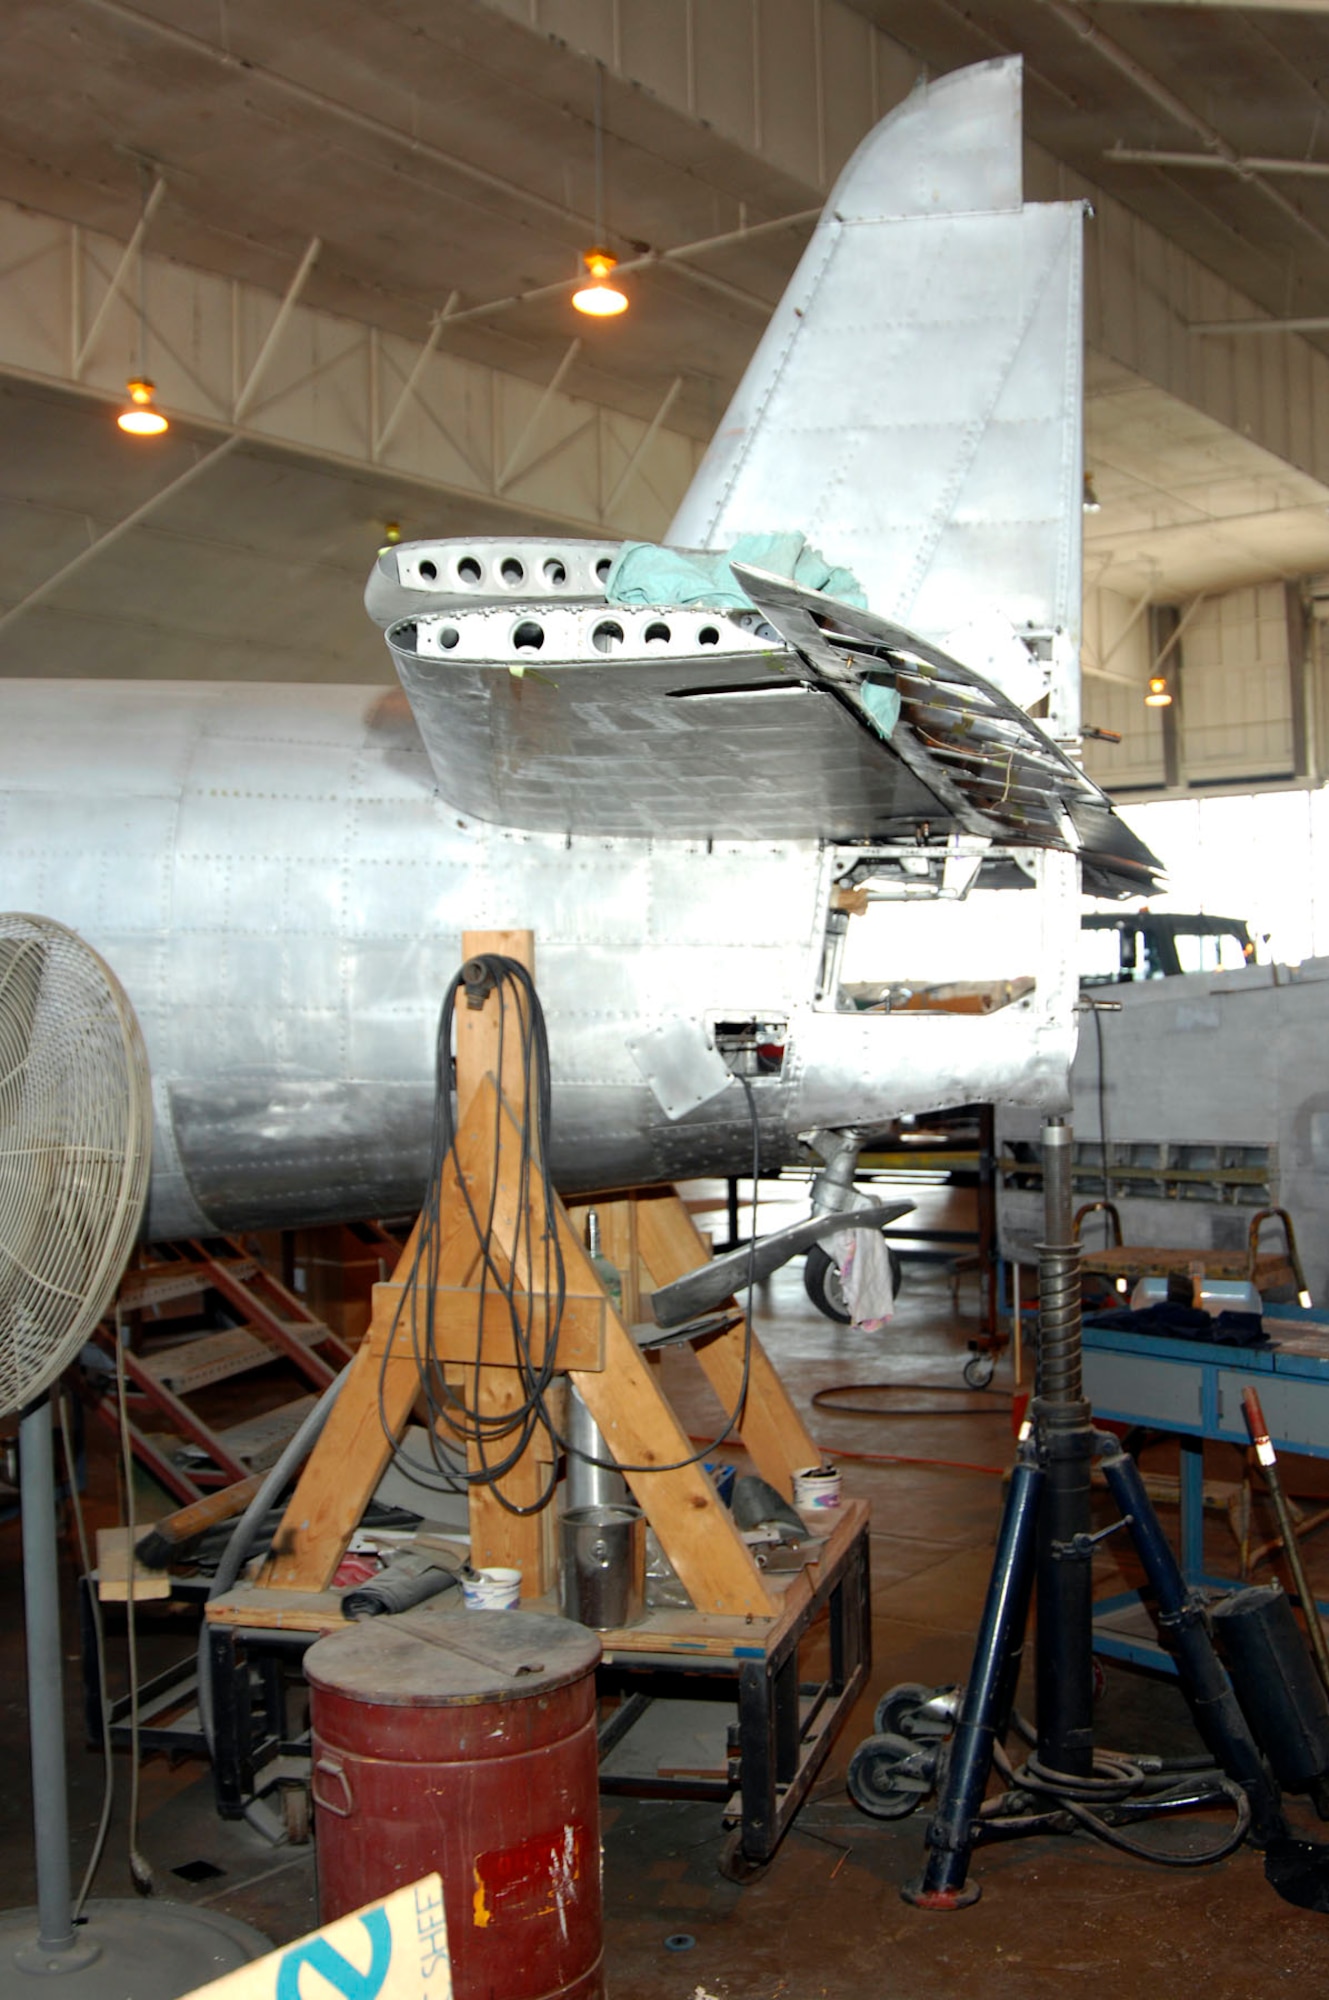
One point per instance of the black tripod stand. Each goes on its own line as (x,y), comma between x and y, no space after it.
(1046,1535)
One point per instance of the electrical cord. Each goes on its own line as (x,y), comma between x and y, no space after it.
(1116,1780)
(527,1241)
(989,1406)
(140,1868)
(99,1647)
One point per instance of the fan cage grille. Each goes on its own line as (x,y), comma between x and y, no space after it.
(75,1148)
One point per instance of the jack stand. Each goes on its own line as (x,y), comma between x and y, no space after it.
(1046,1533)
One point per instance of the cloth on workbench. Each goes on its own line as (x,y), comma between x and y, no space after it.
(647,573)
(1178,1322)
(865,1273)
(409,1579)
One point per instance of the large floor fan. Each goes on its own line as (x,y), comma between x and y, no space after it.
(75,1148)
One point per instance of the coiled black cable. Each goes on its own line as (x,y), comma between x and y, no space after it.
(525,1239)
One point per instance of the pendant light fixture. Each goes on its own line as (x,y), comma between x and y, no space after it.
(140,416)
(598,297)
(1159,695)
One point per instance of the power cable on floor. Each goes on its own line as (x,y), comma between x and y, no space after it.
(988,1407)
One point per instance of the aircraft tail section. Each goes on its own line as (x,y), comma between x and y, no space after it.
(914,407)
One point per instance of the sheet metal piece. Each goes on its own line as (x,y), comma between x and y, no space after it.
(625,722)
(681,1065)
(914,406)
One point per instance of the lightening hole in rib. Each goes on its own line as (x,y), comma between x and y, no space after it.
(708,636)
(448,635)
(607,636)
(469,570)
(528,636)
(428,570)
(603,567)
(512,571)
(555,571)
(657,634)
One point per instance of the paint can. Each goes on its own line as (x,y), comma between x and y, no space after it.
(602,1570)
(492,1590)
(816,1488)
(466,1742)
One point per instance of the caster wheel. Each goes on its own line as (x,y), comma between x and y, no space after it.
(821,1282)
(295,1814)
(735,1865)
(890,1777)
(979,1370)
(901,1712)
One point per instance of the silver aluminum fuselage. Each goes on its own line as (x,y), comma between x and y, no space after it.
(273,875)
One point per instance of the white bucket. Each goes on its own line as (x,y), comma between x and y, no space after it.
(816,1487)
(492,1590)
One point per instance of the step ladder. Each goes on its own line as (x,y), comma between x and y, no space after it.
(166,1367)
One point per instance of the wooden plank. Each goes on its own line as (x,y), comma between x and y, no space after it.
(618,1238)
(458,1317)
(770,1426)
(478,1027)
(277,1610)
(340,1475)
(376,1399)
(113,1568)
(695,1529)
(500,1538)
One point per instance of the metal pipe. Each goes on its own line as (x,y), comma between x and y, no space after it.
(289,301)
(1181,1621)
(1167,100)
(122,527)
(1268,1457)
(1064,1675)
(942,1885)
(46,1711)
(590,1484)
(132,250)
(1243,165)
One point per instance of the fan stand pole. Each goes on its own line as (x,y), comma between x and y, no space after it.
(139,1949)
(56,1936)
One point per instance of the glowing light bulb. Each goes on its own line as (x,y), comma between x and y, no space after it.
(141,419)
(600,299)
(1158,695)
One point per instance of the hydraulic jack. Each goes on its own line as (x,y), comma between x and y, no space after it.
(1046,1539)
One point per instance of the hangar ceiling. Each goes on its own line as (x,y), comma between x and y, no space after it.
(441,151)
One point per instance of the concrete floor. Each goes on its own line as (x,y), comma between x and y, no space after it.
(826,1921)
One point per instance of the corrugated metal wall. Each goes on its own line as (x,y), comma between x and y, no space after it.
(1233,693)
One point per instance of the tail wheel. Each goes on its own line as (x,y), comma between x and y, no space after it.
(822,1283)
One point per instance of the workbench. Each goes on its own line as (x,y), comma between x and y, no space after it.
(1192,1390)
(785,1723)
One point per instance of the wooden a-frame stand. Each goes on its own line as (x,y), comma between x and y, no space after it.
(651,1239)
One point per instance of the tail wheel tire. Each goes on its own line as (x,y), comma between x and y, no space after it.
(821,1282)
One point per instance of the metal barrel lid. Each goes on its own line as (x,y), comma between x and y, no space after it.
(429,1657)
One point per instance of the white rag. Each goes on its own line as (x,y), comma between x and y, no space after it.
(865,1273)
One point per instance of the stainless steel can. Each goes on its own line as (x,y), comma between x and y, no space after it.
(602,1572)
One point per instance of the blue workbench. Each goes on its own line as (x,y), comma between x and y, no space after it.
(1194,1390)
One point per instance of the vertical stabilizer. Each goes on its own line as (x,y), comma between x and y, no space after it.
(914,407)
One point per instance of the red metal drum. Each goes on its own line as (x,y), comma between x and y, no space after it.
(465,1741)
